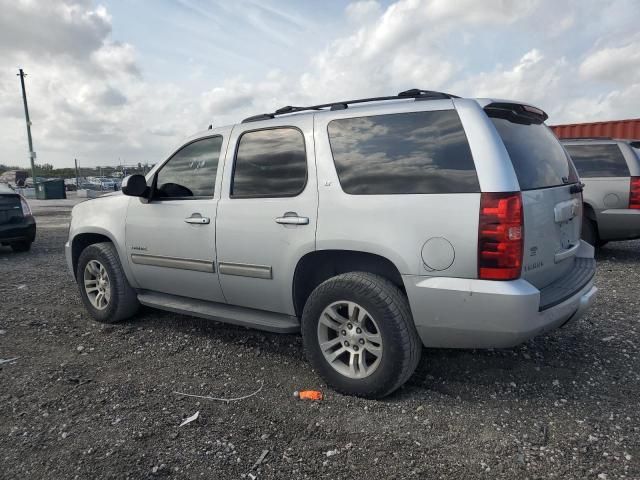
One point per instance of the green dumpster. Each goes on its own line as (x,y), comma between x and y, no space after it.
(51,190)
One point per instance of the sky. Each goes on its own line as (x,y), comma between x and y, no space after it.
(124,81)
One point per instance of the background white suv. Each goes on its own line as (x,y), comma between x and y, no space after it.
(373,226)
(610,170)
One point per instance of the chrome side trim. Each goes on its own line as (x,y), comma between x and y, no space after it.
(172,262)
(245,270)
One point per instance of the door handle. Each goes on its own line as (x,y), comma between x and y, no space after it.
(292,218)
(197,219)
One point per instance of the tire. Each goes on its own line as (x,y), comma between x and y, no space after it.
(23,246)
(385,308)
(122,299)
(590,231)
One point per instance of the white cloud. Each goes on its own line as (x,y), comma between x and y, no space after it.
(71,27)
(530,79)
(618,104)
(615,65)
(91,98)
(363,11)
(86,94)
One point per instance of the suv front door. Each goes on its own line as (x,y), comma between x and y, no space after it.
(267,213)
(170,239)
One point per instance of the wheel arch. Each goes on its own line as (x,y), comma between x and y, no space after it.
(83,239)
(320,265)
(590,212)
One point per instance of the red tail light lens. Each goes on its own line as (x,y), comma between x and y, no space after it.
(634,193)
(500,236)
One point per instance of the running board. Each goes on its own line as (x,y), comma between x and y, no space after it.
(221,312)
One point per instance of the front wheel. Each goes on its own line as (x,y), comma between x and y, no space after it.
(104,288)
(358,333)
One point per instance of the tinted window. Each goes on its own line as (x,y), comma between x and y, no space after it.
(418,152)
(536,154)
(191,172)
(270,163)
(598,160)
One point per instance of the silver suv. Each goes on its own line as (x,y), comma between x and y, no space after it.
(373,226)
(610,170)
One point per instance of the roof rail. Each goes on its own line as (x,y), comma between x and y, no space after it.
(414,93)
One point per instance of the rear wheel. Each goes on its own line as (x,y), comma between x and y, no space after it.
(359,335)
(23,246)
(590,231)
(104,288)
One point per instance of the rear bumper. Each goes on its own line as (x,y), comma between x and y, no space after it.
(22,231)
(619,224)
(467,313)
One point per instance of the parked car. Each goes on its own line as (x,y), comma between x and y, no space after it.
(610,170)
(106,183)
(70,184)
(17,225)
(375,227)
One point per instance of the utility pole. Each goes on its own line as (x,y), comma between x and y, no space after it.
(77,174)
(32,154)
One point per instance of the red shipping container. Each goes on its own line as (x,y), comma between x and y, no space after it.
(627,129)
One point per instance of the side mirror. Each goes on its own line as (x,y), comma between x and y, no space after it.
(135,186)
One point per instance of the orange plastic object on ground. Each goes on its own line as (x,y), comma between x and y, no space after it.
(314,395)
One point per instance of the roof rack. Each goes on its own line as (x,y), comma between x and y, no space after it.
(412,93)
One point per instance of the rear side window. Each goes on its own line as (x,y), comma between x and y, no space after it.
(417,152)
(536,154)
(604,160)
(270,163)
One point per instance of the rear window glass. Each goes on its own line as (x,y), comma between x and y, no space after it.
(417,152)
(598,160)
(536,154)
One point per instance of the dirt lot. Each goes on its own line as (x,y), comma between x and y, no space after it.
(84,400)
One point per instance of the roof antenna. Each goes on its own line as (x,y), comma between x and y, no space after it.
(210,127)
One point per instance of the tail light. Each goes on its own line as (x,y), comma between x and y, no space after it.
(634,193)
(26,209)
(500,236)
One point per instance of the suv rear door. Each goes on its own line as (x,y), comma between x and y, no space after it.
(267,212)
(551,200)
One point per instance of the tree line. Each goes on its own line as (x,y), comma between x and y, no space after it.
(48,170)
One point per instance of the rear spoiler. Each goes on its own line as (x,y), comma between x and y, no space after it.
(516,113)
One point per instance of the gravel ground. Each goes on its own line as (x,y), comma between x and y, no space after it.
(85,400)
